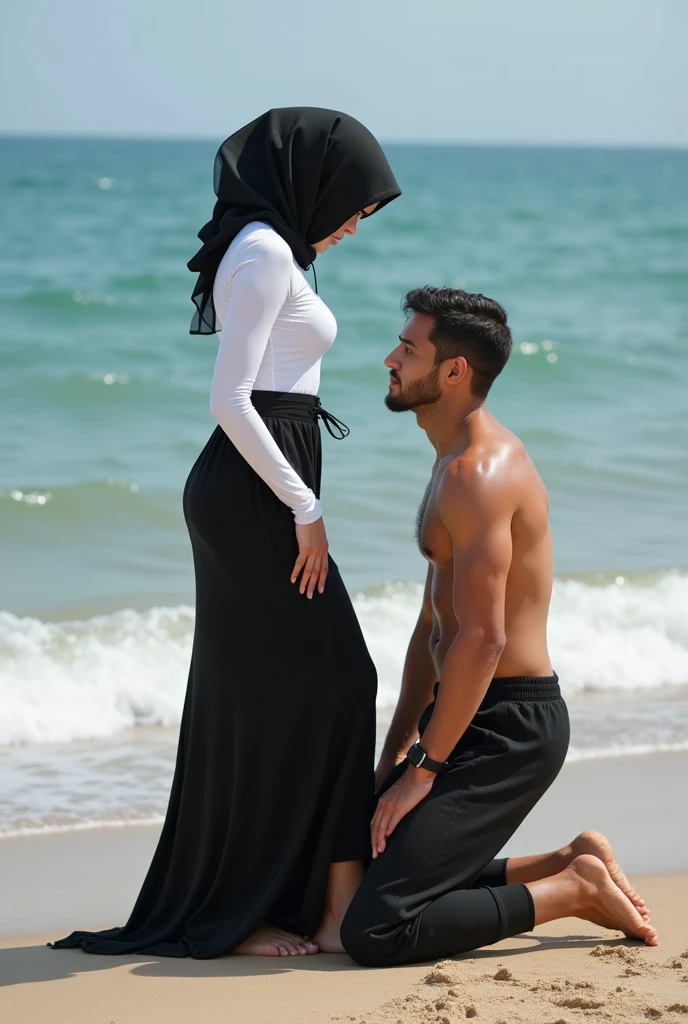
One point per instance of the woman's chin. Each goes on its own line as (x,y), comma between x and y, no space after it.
(321,247)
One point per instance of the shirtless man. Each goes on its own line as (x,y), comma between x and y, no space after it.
(495,736)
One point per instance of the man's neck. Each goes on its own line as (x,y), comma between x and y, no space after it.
(448,425)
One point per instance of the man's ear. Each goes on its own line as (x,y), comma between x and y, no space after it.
(457,371)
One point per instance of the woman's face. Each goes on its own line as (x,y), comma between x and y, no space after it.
(350,228)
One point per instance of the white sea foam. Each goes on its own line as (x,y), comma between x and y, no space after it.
(619,636)
(9,831)
(77,680)
(624,750)
(62,681)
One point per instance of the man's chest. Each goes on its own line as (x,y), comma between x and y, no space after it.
(434,540)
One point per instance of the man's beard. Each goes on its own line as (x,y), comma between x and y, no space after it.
(425,391)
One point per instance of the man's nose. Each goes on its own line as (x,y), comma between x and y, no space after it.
(391,363)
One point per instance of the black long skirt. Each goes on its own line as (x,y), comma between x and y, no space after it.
(274,773)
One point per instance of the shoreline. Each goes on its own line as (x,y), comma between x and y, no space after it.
(638,761)
(55,880)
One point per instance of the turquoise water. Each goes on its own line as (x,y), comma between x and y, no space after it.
(105,394)
(104,408)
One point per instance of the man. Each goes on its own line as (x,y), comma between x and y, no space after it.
(496,735)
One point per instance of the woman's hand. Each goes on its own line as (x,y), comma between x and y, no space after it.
(313,547)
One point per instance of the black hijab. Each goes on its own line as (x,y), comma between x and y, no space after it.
(303,170)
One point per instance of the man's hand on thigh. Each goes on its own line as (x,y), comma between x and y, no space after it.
(394,804)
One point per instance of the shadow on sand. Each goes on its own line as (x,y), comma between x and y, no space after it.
(23,964)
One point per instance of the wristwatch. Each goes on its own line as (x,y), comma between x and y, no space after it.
(419,759)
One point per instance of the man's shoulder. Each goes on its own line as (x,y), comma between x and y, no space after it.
(486,464)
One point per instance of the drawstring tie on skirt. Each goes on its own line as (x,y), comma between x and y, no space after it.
(335,427)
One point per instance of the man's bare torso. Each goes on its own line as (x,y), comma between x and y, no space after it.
(522,495)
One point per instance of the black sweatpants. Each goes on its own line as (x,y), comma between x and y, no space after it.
(437,890)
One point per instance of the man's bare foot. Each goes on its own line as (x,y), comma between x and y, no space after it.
(599,846)
(327,935)
(603,902)
(269,941)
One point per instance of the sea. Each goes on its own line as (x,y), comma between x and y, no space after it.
(104,409)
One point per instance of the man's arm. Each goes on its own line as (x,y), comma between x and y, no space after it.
(476,509)
(417,681)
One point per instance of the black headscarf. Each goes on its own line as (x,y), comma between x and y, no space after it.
(303,170)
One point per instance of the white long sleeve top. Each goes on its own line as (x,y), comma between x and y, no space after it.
(275,331)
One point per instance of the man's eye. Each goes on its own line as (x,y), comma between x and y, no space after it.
(408,350)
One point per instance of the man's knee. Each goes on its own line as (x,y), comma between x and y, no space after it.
(361,937)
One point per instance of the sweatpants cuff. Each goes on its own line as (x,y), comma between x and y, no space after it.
(515,908)
(493,874)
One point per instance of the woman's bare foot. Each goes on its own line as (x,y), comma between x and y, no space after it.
(599,846)
(603,902)
(327,935)
(269,941)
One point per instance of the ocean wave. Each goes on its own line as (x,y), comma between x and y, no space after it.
(624,750)
(113,388)
(622,635)
(64,299)
(64,681)
(91,678)
(11,830)
(71,500)
(28,180)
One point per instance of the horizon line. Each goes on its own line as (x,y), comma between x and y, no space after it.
(473,143)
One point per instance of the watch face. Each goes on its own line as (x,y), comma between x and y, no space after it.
(414,755)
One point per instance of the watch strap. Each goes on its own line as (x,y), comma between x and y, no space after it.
(419,759)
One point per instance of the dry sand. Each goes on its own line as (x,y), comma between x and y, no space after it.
(568,971)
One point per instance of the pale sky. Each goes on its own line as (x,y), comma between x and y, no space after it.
(531,71)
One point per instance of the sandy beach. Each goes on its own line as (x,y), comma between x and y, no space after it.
(565,971)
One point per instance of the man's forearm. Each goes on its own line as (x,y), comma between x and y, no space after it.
(467,672)
(418,679)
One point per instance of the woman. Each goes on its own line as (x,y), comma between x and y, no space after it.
(268,822)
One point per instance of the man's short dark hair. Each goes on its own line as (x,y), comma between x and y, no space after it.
(468,325)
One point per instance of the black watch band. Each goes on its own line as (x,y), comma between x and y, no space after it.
(419,759)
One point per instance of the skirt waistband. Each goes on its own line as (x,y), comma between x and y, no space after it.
(285,404)
(519,688)
(289,405)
